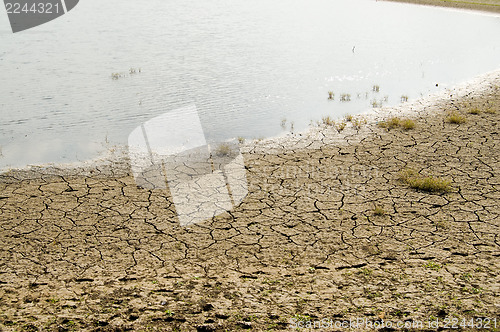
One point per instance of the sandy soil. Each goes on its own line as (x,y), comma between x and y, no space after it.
(482,5)
(86,249)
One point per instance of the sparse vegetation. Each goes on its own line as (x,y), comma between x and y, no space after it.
(455,118)
(396,122)
(408,124)
(341,126)
(327,121)
(223,150)
(433,266)
(474,111)
(331,95)
(404,98)
(345,97)
(378,211)
(424,183)
(376,88)
(348,118)
(283,123)
(490,111)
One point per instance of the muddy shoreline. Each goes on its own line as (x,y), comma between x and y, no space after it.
(492,6)
(328,230)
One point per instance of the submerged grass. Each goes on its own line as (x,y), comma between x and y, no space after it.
(424,183)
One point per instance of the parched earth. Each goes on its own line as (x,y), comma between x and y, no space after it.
(327,231)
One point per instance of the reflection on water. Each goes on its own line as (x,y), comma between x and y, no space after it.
(247,65)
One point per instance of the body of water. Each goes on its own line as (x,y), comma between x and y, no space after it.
(246,65)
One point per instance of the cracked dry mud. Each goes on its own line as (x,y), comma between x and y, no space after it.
(86,249)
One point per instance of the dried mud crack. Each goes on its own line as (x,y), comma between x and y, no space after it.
(328,231)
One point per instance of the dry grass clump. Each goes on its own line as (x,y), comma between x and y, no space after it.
(341,126)
(408,124)
(396,122)
(378,211)
(327,121)
(348,117)
(474,111)
(424,183)
(455,118)
(223,150)
(490,111)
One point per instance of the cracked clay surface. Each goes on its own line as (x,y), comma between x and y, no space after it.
(89,250)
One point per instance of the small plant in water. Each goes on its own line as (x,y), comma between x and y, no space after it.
(331,95)
(116,76)
(455,118)
(283,123)
(404,98)
(345,97)
(376,104)
(376,88)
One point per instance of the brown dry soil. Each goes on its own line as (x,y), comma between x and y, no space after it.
(89,250)
(482,5)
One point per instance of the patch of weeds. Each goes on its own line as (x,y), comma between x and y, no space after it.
(408,124)
(366,272)
(433,266)
(311,269)
(241,140)
(376,104)
(466,277)
(348,117)
(301,318)
(331,95)
(376,88)
(358,122)
(378,211)
(53,300)
(404,98)
(455,118)
(327,121)
(341,126)
(391,123)
(223,150)
(490,111)
(474,111)
(169,313)
(424,183)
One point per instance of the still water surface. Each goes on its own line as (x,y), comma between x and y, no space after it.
(246,65)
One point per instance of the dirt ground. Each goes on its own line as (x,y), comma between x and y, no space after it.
(326,232)
(482,5)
